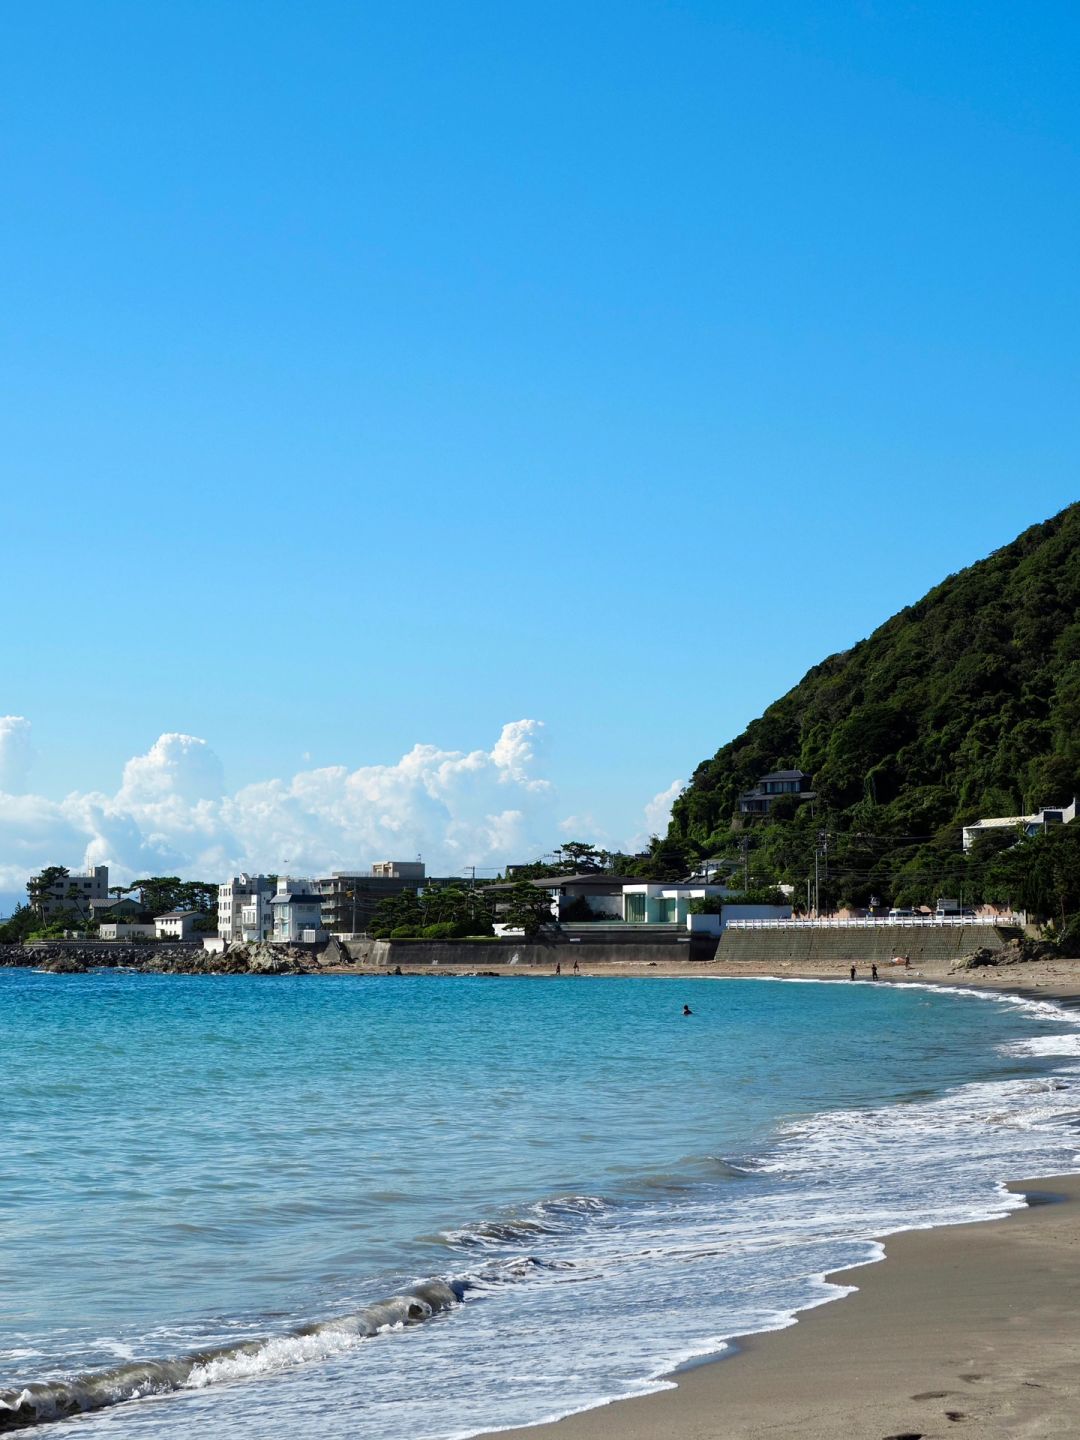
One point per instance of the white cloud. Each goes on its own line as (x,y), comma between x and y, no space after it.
(657,815)
(658,810)
(16,753)
(172,814)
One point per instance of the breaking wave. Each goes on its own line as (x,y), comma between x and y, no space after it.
(60,1399)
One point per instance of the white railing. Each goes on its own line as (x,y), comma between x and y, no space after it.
(876,922)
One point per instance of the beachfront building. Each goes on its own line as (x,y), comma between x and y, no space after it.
(177,925)
(591,896)
(297,911)
(75,891)
(1024,825)
(770,788)
(663,903)
(350,897)
(124,930)
(244,911)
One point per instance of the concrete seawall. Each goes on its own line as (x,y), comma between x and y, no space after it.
(481,955)
(818,948)
(802,948)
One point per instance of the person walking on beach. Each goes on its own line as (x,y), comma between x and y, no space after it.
(873,972)
(558,967)
(853,972)
(577,968)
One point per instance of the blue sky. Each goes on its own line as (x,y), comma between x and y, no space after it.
(377,375)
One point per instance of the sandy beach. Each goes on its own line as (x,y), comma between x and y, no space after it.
(968,1329)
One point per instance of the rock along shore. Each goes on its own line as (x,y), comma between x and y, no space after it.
(74,958)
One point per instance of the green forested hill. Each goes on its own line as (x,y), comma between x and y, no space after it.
(964,704)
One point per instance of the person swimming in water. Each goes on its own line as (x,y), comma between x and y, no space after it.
(686,1010)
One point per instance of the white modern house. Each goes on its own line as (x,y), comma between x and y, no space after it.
(297,911)
(244,911)
(615,900)
(1024,825)
(177,925)
(602,894)
(663,902)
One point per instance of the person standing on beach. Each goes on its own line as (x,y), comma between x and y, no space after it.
(853,972)
(873,972)
(577,968)
(558,967)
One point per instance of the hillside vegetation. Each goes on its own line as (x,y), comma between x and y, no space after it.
(963,705)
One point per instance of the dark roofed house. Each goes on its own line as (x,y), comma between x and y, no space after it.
(770,787)
(121,911)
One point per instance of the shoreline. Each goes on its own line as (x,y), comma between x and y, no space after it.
(963,1323)
(956,1325)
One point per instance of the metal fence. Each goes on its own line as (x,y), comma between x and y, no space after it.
(875,922)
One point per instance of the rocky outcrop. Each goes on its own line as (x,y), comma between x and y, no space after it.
(255,959)
(68,959)
(65,965)
(1019,951)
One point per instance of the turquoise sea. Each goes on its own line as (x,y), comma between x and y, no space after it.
(579,1187)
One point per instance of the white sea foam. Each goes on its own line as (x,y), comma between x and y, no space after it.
(1044,1045)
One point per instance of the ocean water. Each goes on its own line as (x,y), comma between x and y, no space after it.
(213,1188)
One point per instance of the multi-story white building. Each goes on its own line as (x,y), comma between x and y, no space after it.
(297,912)
(244,911)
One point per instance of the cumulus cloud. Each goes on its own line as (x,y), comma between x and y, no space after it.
(657,814)
(16,753)
(658,810)
(173,814)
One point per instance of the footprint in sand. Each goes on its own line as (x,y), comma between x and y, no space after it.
(931,1395)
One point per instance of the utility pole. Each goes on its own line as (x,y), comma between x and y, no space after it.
(821,850)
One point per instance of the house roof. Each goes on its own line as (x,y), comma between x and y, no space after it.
(178,915)
(784,775)
(293,899)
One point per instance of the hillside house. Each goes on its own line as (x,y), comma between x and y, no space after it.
(771,787)
(1024,825)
